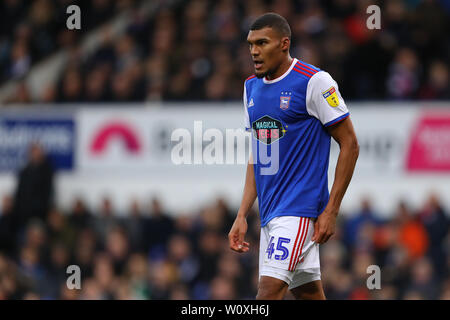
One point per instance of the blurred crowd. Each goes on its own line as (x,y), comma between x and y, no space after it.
(33,30)
(149,253)
(196,50)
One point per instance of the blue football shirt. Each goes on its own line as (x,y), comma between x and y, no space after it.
(288,117)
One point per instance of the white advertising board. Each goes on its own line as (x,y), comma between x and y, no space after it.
(126,152)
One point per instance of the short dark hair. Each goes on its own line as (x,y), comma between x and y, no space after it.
(274,21)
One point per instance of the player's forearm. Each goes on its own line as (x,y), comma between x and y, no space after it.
(250,194)
(343,174)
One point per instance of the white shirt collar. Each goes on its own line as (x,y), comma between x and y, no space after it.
(294,61)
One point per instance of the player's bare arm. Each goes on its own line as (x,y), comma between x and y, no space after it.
(344,134)
(239,228)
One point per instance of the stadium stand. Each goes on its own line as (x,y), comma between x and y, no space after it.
(196,50)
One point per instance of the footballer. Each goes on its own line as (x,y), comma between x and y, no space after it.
(292,109)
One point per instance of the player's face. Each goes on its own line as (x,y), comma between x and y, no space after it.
(267,49)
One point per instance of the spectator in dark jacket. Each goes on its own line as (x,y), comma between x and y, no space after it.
(34,193)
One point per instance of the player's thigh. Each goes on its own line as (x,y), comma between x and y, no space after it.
(270,288)
(309,291)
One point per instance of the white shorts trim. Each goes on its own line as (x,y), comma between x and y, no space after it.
(293,280)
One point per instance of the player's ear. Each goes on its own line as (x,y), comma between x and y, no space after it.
(285,43)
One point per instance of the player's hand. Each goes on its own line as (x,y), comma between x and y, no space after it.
(236,235)
(324,227)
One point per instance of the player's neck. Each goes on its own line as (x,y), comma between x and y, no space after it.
(284,66)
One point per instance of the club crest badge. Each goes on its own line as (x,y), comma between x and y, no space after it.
(285,98)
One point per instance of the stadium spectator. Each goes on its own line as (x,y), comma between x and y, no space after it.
(7,243)
(355,223)
(158,229)
(437,86)
(423,280)
(79,216)
(411,234)
(437,225)
(34,193)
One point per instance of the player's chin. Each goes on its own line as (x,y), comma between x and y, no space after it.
(260,73)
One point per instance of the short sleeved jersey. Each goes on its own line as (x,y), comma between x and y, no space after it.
(288,117)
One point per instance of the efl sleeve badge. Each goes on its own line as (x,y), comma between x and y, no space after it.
(331,96)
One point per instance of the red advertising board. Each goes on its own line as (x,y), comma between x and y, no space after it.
(429,147)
